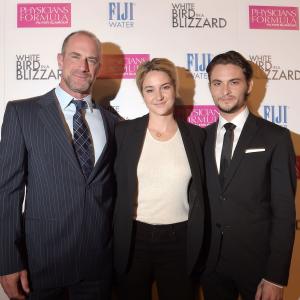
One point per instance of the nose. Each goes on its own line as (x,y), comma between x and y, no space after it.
(159,95)
(226,89)
(84,66)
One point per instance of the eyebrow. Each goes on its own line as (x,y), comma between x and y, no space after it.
(231,79)
(78,54)
(147,86)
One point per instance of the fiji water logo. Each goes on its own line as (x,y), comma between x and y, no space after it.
(121,66)
(44,15)
(121,14)
(197,63)
(273,17)
(277,114)
(201,115)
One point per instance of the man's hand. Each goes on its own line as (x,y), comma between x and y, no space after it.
(15,285)
(268,291)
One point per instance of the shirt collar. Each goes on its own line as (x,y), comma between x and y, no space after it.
(64,98)
(238,121)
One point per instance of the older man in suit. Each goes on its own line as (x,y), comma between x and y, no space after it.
(250,168)
(57,150)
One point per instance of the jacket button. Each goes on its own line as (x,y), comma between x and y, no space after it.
(222,198)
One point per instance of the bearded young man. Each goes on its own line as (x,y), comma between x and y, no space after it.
(251,182)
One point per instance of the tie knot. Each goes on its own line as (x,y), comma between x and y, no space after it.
(229,126)
(80,104)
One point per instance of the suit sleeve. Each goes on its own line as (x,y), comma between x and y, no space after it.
(12,187)
(283,186)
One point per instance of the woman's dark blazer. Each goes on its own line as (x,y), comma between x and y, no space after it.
(130,137)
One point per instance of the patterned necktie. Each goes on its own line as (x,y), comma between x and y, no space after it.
(82,142)
(226,150)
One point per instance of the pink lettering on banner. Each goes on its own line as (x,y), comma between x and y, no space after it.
(117,66)
(44,15)
(201,115)
(273,17)
(298,166)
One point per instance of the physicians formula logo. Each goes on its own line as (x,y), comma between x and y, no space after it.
(277,114)
(273,17)
(121,66)
(197,63)
(44,15)
(121,14)
(201,115)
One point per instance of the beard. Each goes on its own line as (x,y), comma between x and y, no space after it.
(232,109)
(229,110)
(82,87)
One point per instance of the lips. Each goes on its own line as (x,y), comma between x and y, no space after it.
(81,75)
(226,98)
(160,103)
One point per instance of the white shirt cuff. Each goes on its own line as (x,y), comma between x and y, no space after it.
(278,285)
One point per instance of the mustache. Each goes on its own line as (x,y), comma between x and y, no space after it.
(81,74)
(226,97)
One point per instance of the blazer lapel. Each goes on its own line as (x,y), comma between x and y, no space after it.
(51,117)
(248,132)
(192,158)
(190,150)
(108,148)
(209,153)
(135,145)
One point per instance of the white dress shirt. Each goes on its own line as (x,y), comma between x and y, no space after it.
(92,115)
(239,122)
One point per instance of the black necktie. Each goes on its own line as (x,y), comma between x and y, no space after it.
(82,141)
(226,150)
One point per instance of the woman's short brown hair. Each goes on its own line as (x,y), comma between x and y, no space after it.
(157,64)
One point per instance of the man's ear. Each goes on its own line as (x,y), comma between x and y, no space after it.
(60,60)
(250,86)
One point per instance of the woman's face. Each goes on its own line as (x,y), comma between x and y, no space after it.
(159,93)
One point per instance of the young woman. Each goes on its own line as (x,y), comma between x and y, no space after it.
(159,212)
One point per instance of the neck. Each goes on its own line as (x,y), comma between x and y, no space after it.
(161,123)
(162,127)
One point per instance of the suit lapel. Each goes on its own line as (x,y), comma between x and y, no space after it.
(189,148)
(135,145)
(107,148)
(51,117)
(192,158)
(248,132)
(209,152)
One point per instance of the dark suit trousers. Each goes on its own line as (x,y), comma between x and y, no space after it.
(226,284)
(158,254)
(84,290)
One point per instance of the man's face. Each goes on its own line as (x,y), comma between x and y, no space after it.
(229,89)
(80,64)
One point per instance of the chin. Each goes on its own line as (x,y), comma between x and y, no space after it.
(167,113)
(227,109)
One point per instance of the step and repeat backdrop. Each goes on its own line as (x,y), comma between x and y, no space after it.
(189,33)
